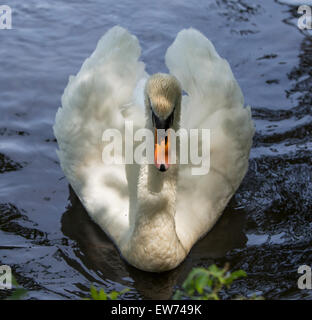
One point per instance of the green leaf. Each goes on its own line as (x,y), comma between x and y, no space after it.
(201,283)
(102,295)
(238,274)
(94,293)
(114,295)
(235,275)
(206,284)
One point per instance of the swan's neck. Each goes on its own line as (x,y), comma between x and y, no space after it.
(156,195)
(153,241)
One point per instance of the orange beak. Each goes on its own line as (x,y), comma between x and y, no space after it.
(161,152)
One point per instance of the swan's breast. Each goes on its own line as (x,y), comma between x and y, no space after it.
(154,245)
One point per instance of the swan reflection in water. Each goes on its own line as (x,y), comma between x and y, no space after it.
(98,253)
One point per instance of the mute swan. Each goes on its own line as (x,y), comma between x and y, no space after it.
(153,217)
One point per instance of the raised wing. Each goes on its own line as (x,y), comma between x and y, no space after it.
(101,96)
(214,102)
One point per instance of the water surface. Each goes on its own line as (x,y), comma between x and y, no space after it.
(54,249)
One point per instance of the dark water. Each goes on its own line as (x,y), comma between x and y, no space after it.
(54,249)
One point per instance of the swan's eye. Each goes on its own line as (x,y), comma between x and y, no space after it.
(170,119)
(153,119)
(161,123)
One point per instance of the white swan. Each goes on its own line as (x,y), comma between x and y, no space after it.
(153,217)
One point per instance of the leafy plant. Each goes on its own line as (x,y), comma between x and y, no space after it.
(200,284)
(102,295)
(205,284)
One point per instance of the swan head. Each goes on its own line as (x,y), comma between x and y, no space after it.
(163,95)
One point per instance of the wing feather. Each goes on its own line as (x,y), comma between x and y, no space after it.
(101,96)
(214,101)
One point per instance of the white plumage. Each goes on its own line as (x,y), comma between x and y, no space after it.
(154,224)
